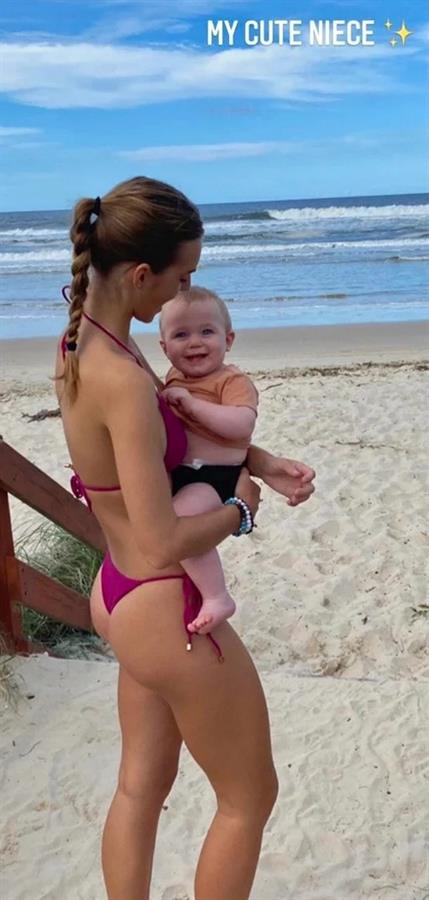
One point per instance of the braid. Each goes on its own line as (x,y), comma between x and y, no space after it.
(81,236)
(139,221)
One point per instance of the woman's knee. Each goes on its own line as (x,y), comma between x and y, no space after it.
(253,802)
(142,784)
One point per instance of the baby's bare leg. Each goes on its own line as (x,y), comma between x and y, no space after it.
(206,570)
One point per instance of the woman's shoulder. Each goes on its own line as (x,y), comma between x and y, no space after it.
(122,378)
(112,379)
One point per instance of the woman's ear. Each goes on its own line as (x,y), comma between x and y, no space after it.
(139,275)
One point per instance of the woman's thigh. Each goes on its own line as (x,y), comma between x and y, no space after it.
(222,716)
(220,709)
(151,740)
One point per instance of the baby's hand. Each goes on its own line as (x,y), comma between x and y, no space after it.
(181,398)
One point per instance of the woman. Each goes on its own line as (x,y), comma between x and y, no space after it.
(132,252)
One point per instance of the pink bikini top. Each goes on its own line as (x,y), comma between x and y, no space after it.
(176,435)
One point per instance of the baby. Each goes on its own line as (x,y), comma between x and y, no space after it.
(218,405)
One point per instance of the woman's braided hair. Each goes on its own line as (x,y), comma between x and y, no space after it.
(140,220)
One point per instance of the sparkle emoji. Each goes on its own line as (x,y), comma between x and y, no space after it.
(403,32)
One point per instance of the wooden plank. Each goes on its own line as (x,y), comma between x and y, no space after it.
(51,598)
(25,481)
(10,617)
(25,647)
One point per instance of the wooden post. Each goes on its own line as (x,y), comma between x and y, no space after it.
(10,617)
(20,584)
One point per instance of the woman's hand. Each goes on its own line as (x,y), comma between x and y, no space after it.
(248,491)
(288,477)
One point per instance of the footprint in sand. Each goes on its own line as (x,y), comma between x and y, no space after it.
(325,533)
(177,892)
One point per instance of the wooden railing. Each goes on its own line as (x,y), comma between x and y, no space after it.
(20,584)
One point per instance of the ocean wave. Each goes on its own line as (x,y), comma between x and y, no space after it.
(224,252)
(221,252)
(306,298)
(226,227)
(404,249)
(310,213)
(35,261)
(350,212)
(34,315)
(397,258)
(29,235)
(261,229)
(23,306)
(34,254)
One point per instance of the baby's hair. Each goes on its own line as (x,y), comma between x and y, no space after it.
(140,220)
(200,293)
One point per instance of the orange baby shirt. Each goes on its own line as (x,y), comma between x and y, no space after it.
(228,387)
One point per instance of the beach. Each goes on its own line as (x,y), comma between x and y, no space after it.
(329,600)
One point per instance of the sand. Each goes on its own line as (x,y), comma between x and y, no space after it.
(325,594)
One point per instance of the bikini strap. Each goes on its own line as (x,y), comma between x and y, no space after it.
(79,490)
(114,338)
(101,327)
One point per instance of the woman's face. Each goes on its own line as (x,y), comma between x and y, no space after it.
(155,290)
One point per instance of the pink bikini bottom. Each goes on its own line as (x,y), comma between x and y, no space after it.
(115,586)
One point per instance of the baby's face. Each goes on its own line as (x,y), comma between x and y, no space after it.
(194,336)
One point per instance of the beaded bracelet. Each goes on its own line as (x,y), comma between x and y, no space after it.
(246,519)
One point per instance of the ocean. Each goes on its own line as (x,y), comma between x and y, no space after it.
(276,263)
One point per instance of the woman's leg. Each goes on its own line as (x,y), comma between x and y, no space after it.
(205,571)
(151,745)
(222,716)
(225,726)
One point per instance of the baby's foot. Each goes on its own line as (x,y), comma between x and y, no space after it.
(213,611)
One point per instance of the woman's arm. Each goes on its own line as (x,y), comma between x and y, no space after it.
(288,477)
(133,420)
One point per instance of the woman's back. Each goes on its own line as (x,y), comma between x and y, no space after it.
(92,456)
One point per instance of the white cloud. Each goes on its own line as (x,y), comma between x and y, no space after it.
(208,152)
(62,75)
(11,135)
(142,16)
(153,8)
(188,153)
(114,29)
(423,32)
(12,131)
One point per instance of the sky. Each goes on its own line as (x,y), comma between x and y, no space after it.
(95,92)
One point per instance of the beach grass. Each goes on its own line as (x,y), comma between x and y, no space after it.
(59,555)
(10,688)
